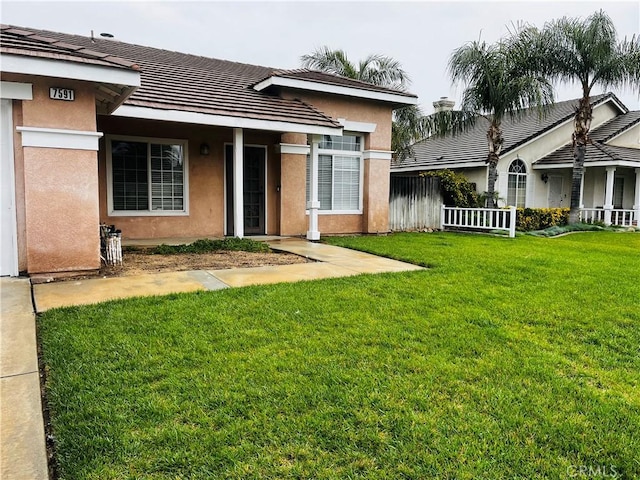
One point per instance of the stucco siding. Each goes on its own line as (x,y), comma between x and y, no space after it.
(630,138)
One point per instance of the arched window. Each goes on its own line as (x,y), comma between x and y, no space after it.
(517,187)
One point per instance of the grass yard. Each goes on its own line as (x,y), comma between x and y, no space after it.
(508,358)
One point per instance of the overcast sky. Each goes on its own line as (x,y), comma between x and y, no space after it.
(419,34)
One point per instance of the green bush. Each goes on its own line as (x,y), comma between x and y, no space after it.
(456,190)
(206,245)
(528,219)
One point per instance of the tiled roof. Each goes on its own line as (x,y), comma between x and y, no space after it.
(619,124)
(20,41)
(598,150)
(331,79)
(470,148)
(178,81)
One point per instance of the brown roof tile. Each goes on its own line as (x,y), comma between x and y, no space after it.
(331,79)
(19,41)
(177,81)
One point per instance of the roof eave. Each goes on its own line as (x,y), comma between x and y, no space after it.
(199,118)
(25,64)
(301,84)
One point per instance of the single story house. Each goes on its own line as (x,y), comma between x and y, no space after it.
(165,144)
(536,161)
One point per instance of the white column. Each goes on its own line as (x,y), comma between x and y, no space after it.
(608,195)
(314,204)
(238,183)
(584,174)
(636,202)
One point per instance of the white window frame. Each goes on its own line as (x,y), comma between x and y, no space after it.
(345,153)
(517,176)
(147,213)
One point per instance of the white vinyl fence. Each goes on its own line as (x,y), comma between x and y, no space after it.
(414,203)
(479,218)
(622,218)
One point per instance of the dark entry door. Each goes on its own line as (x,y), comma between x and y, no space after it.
(253,190)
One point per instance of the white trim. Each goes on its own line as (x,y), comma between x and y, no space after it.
(16,91)
(416,168)
(377,155)
(335,89)
(238,182)
(147,213)
(222,120)
(605,163)
(362,127)
(266,190)
(69,69)
(59,138)
(294,149)
(10,229)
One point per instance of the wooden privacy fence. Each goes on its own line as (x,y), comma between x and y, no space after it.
(414,203)
(480,218)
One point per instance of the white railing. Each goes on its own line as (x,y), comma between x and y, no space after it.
(619,217)
(479,218)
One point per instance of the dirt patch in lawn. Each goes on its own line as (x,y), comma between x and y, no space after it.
(142,261)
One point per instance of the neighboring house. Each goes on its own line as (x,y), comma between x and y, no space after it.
(165,144)
(536,161)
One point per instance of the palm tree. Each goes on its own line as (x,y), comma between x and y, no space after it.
(500,79)
(377,70)
(589,53)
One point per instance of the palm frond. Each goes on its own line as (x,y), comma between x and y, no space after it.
(330,61)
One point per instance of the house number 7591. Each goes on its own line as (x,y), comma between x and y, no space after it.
(57,93)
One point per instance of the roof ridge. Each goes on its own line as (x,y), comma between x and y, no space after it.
(120,42)
(73,49)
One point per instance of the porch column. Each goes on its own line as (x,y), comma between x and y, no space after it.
(608,195)
(238,182)
(314,204)
(636,202)
(584,173)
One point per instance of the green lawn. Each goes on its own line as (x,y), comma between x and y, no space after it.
(508,358)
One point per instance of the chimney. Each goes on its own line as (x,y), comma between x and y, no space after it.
(443,105)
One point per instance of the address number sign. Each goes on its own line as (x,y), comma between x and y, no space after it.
(57,93)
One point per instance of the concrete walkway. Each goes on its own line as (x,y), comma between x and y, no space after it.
(330,262)
(22,446)
(22,443)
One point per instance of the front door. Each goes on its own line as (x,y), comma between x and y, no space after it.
(253,190)
(555,192)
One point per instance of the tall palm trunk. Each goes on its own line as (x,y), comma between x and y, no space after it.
(495,140)
(580,140)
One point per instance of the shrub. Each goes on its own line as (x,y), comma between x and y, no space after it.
(456,190)
(206,245)
(528,219)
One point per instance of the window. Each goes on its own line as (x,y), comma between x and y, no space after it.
(517,184)
(339,174)
(147,177)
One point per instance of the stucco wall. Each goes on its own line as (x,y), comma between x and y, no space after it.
(630,138)
(537,189)
(58,225)
(355,110)
(206,177)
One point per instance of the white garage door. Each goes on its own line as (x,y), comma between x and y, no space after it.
(8,241)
